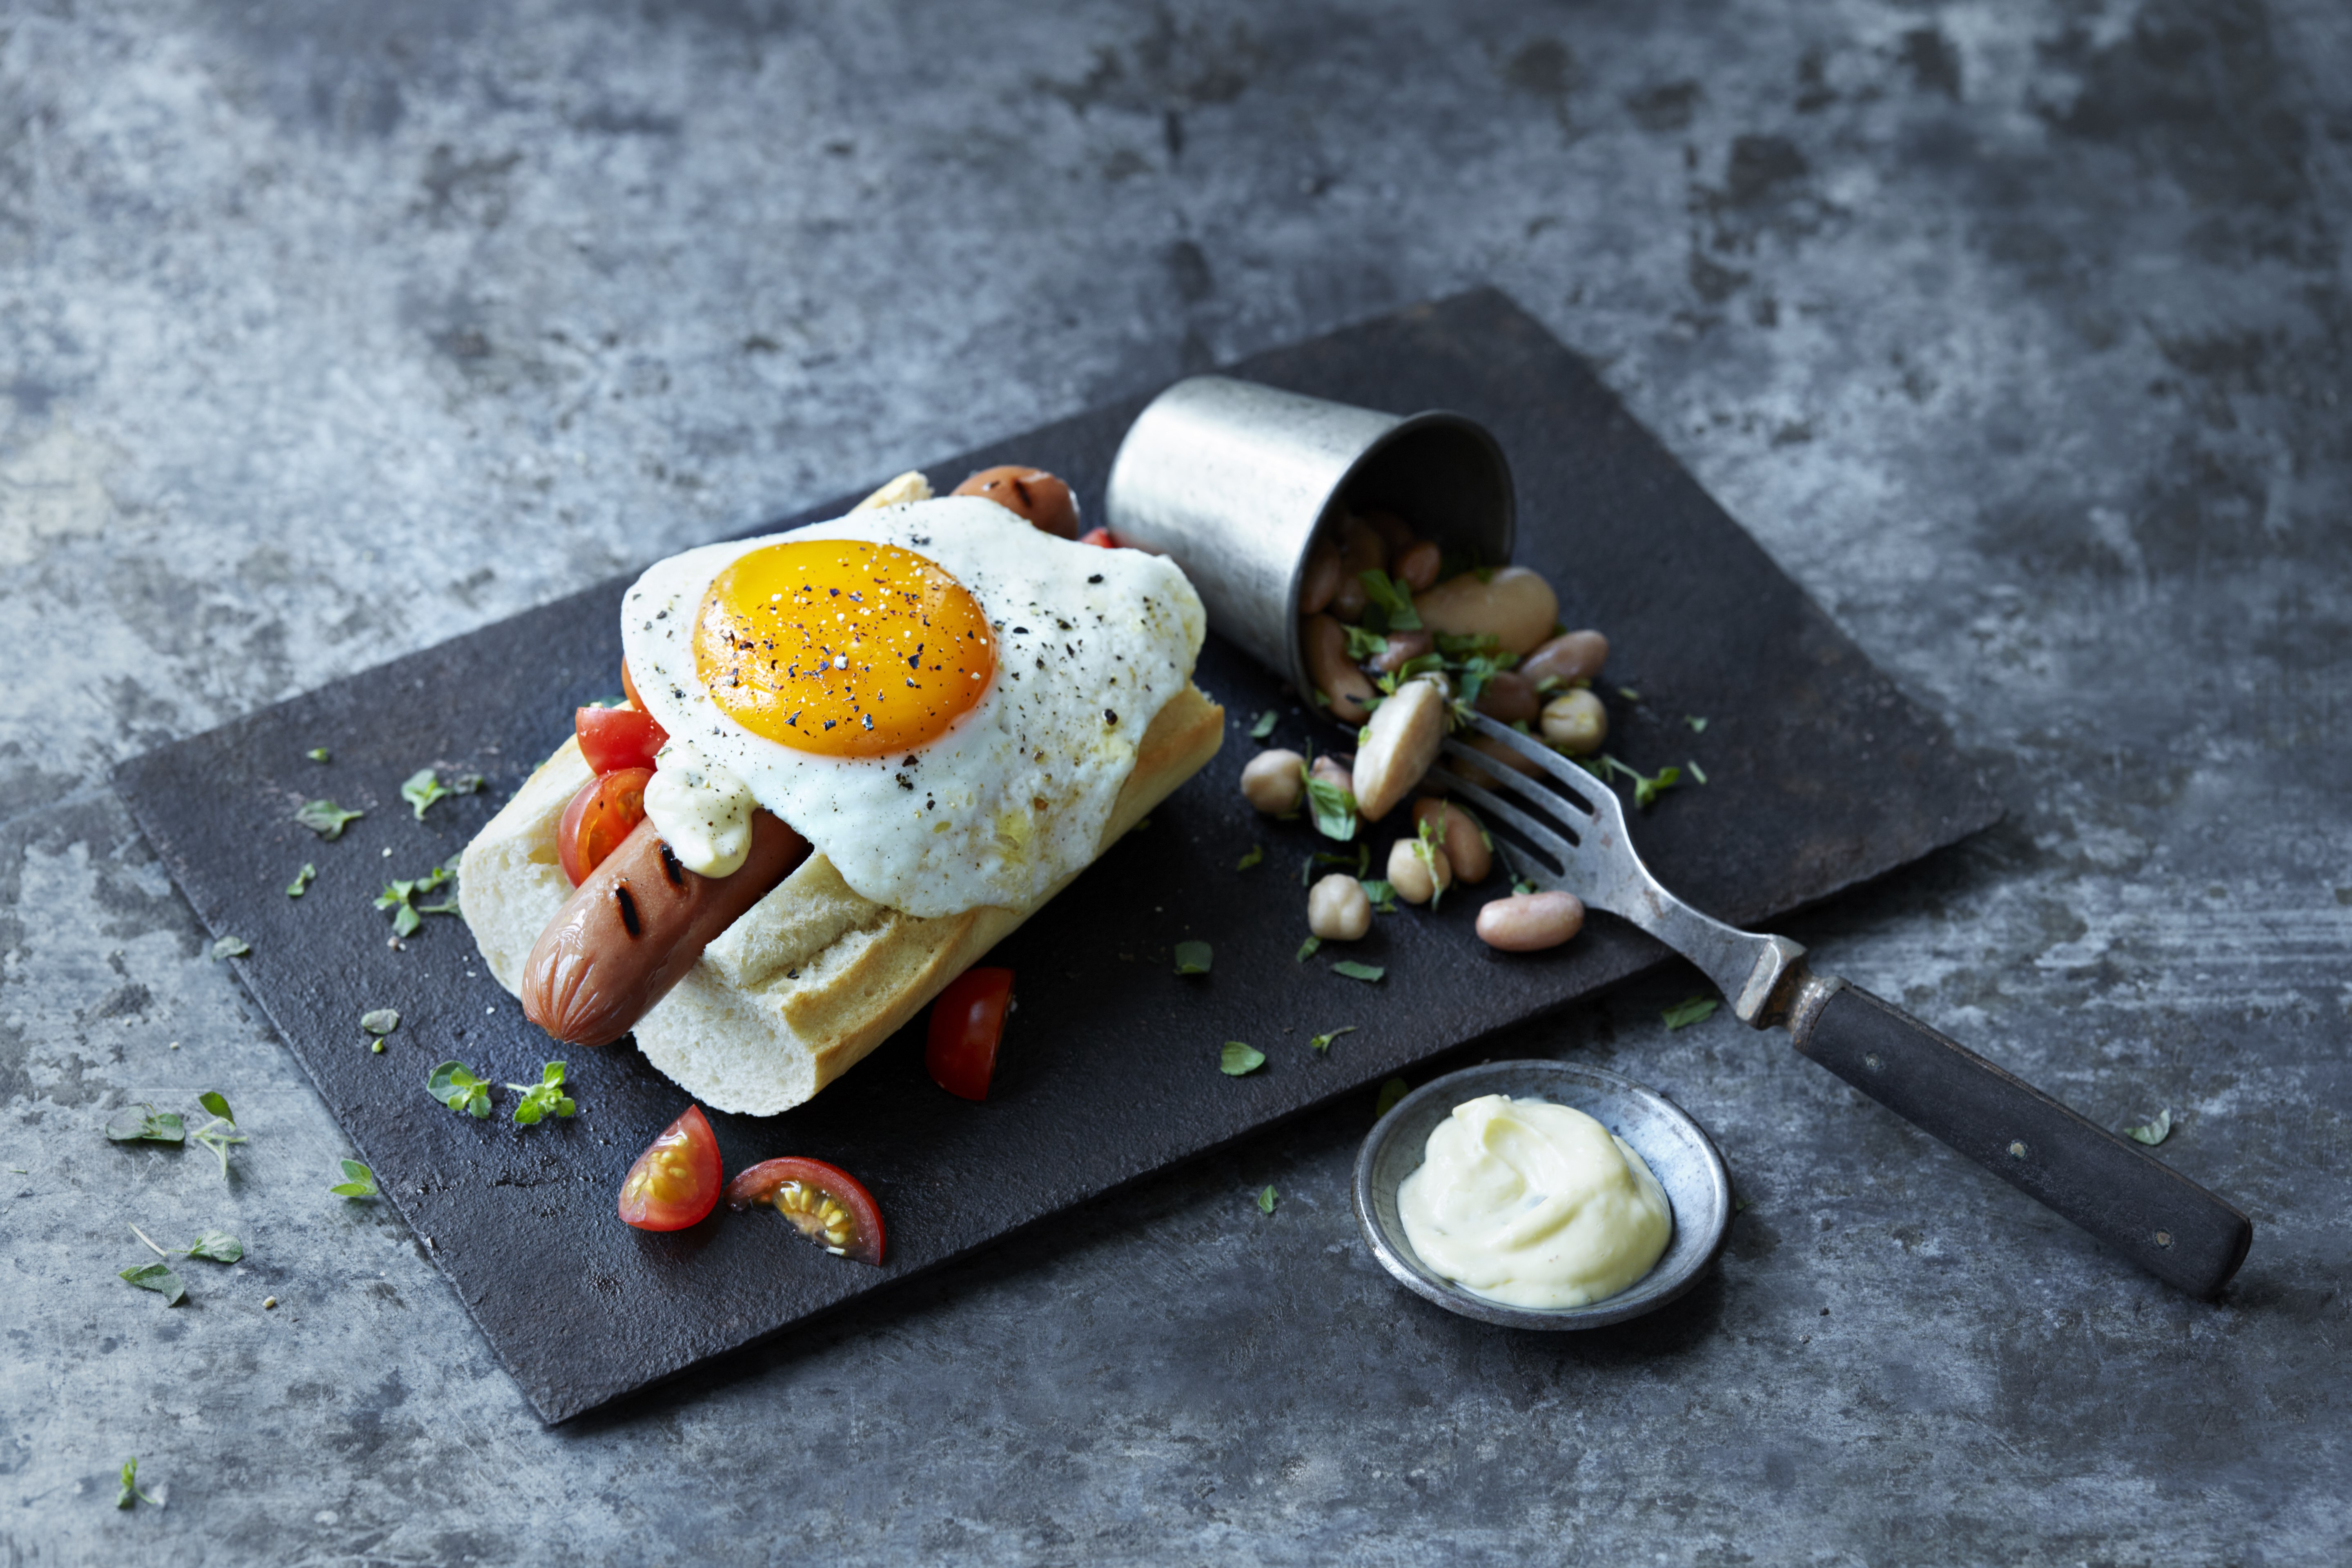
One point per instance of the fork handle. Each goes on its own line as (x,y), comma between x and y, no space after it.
(2115,1190)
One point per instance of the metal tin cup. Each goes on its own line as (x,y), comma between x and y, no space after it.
(1235,482)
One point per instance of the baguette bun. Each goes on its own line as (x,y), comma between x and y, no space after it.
(814,976)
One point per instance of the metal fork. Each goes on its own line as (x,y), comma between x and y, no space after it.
(1570,834)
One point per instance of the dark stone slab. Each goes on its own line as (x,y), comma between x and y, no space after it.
(1821,775)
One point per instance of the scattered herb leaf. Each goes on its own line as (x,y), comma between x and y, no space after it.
(158,1278)
(1698,724)
(326,820)
(1393,598)
(1425,850)
(217,1246)
(357,1182)
(1689,1011)
(2154,1132)
(301,882)
(420,790)
(1383,894)
(1263,727)
(455,1085)
(467,784)
(320,754)
(1237,1059)
(143,1123)
(1396,1088)
(1333,808)
(1255,853)
(131,1482)
(1741,1206)
(1522,886)
(1367,973)
(1363,644)
(400,898)
(1629,694)
(1307,949)
(544,1099)
(1265,1199)
(379,1020)
(1323,1042)
(1193,958)
(218,1133)
(230,947)
(211,1101)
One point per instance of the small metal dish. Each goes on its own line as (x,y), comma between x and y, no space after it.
(1676,1149)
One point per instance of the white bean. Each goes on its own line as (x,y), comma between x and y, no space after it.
(1530,922)
(1576,722)
(1398,744)
(1337,908)
(1515,605)
(1272,782)
(1417,880)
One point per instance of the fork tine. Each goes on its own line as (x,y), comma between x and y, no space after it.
(1550,842)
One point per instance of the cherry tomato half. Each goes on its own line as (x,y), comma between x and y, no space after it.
(1101,536)
(677,1180)
(612,739)
(603,813)
(630,687)
(967,1022)
(828,1205)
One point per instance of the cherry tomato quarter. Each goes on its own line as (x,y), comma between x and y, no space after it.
(1101,537)
(614,739)
(825,1202)
(677,1180)
(605,811)
(967,1025)
(629,687)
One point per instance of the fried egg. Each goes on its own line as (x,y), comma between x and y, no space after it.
(941,699)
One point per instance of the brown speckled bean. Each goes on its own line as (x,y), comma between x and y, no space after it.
(1319,581)
(1324,642)
(1510,698)
(1393,530)
(1402,645)
(1530,922)
(1465,847)
(1361,549)
(1570,656)
(1271,782)
(1417,565)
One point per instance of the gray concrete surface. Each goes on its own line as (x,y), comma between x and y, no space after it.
(2016,332)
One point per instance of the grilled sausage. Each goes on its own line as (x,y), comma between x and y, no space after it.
(636,925)
(1033,494)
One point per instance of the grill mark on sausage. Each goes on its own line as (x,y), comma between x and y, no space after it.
(671,869)
(628,910)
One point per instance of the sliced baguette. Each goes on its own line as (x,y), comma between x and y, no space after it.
(814,976)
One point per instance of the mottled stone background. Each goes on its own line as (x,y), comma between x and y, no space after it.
(2015,332)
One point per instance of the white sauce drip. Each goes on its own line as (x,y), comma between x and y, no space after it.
(701,811)
(1533,1204)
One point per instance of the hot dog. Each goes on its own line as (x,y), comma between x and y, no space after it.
(634,927)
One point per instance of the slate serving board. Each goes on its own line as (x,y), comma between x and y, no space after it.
(1109,1069)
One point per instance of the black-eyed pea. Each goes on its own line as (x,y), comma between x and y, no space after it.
(1417,565)
(1568,659)
(1530,922)
(1319,581)
(1324,642)
(1338,908)
(1514,605)
(1402,646)
(1576,722)
(1509,698)
(1419,875)
(1272,782)
(1398,746)
(1465,843)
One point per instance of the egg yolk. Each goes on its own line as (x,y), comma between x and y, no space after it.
(842,647)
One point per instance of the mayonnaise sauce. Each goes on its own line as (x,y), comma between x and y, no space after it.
(1533,1204)
(703,811)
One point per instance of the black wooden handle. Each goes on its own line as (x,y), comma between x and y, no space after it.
(2115,1190)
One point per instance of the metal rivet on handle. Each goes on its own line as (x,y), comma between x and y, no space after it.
(2017,1151)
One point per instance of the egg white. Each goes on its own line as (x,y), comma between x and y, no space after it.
(1090,644)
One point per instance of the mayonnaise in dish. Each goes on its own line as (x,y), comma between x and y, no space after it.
(1533,1204)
